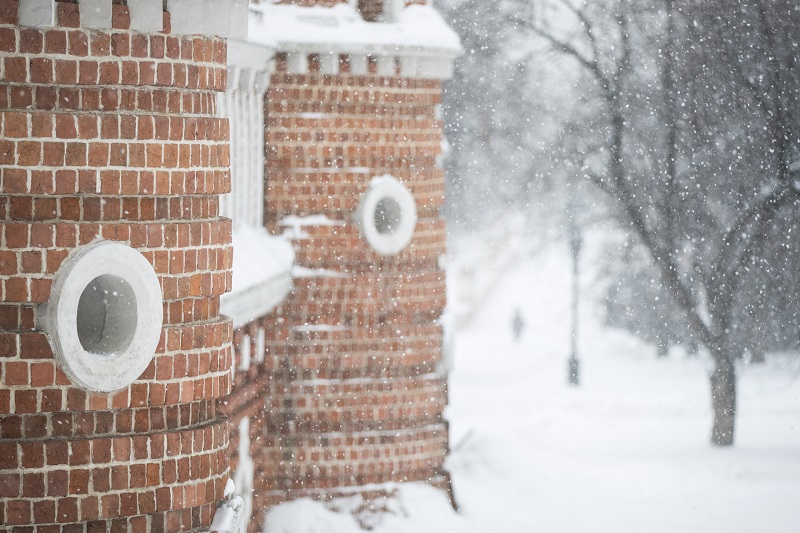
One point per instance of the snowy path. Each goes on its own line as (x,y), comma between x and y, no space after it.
(628,450)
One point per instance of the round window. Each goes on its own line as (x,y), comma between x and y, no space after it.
(387,215)
(104,316)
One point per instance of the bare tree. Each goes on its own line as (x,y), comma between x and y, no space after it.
(657,155)
(499,133)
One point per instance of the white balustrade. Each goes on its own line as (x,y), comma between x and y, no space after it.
(243,105)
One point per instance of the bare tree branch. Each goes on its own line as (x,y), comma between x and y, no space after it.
(744,230)
(778,115)
(748,232)
(587,26)
(667,268)
(624,62)
(560,45)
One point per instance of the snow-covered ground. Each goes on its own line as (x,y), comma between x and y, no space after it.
(627,451)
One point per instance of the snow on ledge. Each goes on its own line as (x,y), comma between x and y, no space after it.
(311,220)
(262,265)
(293,225)
(417,31)
(305,272)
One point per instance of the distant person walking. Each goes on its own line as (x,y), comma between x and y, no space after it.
(517,324)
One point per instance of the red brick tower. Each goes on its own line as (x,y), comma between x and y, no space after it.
(113,258)
(347,391)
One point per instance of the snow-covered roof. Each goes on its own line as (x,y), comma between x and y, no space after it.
(417,30)
(262,266)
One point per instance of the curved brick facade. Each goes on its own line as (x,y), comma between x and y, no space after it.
(362,401)
(349,394)
(110,134)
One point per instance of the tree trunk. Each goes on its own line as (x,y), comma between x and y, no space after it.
(723,400)
(692,348)
(662,346)
(757,356)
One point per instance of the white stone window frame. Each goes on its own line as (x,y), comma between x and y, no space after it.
(244,475)
(390,191)
(104,344)
(244,353)
(261,341)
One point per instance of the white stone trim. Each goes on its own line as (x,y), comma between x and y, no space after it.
(415,35)
(444,152)
(37,13)
(217,16)
(249,69)
(387,188)
(244,353)
(243,54)
(414,31)
(187,16)
(261,342)
(245,306)
(238,20)
(428,67)
(95,14)
(121,366)
(244,475)
(261,84)
(359,64)
(386,65)
(435,68)
(410,66)
(146,15)
(233,367)
(222,18)
(297,62)
(329,63)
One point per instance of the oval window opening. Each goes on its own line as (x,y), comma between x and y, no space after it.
(387,216)
(107,315)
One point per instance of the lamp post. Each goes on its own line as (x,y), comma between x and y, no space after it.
(574,363)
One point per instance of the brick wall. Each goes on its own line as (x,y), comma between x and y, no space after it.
(111,134)
(349,392)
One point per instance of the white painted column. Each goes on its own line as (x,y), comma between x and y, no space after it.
(248,150)
(249,68)
(261,84)
(244,353)
(329,63)
(297,62)
(243,477)
(386,65)
(260,346)
(238,150)
(359,64)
